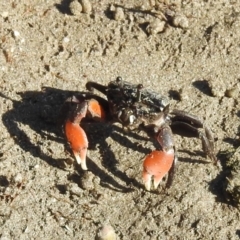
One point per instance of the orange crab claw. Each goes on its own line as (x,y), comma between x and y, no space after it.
(96,110)
(157,164)
(78,141)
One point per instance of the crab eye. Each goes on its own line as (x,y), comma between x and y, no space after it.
(89,87)
(131,119)
(139,88)
(119,80)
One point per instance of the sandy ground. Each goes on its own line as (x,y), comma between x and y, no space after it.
(47,54)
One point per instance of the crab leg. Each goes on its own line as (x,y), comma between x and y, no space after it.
(75,135)
(188,125)
(160,163)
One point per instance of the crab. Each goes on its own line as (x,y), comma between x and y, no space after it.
(136,107)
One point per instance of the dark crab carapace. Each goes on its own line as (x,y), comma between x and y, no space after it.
(136,108)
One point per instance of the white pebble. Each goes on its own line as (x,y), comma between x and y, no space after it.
(86,6)
(75,7)
(66,39)
(155,27)
(118,14)
(106,233)
(18,178)
(16,34)
(4,14)
(181,21)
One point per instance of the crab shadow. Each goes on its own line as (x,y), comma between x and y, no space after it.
(40,111)
(219,185)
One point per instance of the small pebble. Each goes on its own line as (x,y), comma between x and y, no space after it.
(218,88)
(86,181)
(16,34)
(118,14)
(74,189)
(75,7)
(66,40)
(232,93)
(106,233)
(157,26)
(180,21)
(152,3)
(4,14)
(86,6)
(18,178)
